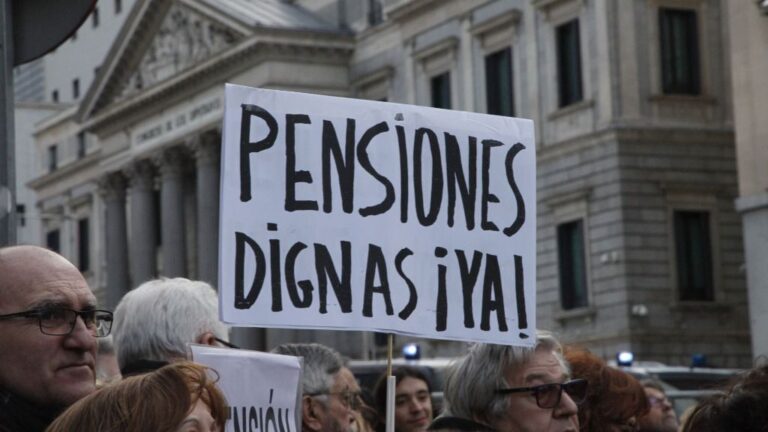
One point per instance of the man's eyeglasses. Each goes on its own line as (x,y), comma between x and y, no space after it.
(58,321)
(350,399)
(225,343)
(549,395)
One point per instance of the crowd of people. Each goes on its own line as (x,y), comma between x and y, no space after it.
(60,371)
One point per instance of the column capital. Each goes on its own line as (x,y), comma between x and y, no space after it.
(206,148)
(141,174)
(172,161)
(112,186)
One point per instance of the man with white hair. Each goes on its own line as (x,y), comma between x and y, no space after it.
(155,322)
(330,391)
(512,389)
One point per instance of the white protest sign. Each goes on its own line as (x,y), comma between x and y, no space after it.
(358,215)
(263,390)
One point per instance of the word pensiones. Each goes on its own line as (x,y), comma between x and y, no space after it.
(447,180)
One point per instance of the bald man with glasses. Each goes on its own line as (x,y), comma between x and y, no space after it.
(49,325)
(512,389)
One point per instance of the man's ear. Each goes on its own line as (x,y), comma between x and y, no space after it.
(311,415)
(479,419)
(207,338)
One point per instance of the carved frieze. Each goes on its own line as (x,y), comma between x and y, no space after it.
(184,39)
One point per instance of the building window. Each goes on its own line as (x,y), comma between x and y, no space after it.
(679,51)
(55,96)
(573,269)
(118,6)
(52,241)
(75,88)
(81,145)
(498,82)
(375,12)
(441,90)
(53,158)
(569,63)
(83,245)
(693,252)
(21,214)
(95,17)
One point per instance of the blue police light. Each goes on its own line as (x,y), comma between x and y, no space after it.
(625,358)
(411,351)
(698,360)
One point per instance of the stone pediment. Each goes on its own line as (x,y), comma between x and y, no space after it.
(166,46)
(185,38)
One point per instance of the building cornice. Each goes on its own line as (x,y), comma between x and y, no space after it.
(409,9)
(682,135)
(61,174)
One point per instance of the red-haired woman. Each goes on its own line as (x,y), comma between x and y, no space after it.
(615,399)
(180,397)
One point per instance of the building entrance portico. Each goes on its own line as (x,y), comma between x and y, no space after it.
(160,238)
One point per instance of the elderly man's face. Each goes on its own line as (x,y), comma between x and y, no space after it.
(661,417)
(339,415)
(53,371)
(524,414)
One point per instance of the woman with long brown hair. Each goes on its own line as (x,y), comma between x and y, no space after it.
(181,397)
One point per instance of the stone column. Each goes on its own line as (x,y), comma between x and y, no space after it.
(141,176)
(207,149)
(112,188)
(172,221)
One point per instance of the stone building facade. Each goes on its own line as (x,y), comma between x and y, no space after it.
(639,245)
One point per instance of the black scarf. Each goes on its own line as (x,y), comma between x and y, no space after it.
(19,415)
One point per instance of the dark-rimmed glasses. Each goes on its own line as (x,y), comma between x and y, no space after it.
(548,395)
(350,399)
(225,343)
(59,321)
(658,402)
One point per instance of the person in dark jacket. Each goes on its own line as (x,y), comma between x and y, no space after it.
(48,329)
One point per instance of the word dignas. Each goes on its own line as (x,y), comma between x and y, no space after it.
(457,180)
(381,286)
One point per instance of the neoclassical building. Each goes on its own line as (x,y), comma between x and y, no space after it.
(639,244)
